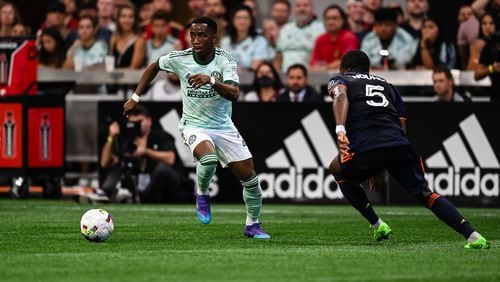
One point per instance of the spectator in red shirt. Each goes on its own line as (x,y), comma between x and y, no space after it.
(70,19)
(338,40)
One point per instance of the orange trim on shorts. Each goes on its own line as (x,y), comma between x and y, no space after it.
(422,164)
(432,198)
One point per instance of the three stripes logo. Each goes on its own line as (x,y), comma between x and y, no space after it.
(474,169)
(300,169)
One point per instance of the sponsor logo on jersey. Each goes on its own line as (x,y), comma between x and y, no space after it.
(217,75)
(202,92)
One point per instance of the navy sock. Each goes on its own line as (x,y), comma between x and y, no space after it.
(449,214)
(357,197)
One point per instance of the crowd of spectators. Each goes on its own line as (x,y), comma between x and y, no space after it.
(80,34)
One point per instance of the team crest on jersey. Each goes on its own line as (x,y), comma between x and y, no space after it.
(217,75)
(191,139)
(331,84)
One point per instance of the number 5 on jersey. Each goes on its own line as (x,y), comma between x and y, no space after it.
(375,92)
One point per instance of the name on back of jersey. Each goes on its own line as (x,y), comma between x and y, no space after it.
(367,76)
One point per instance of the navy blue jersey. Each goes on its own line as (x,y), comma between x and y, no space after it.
(375,107)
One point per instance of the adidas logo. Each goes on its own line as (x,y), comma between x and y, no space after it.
(474,169)
(300,170)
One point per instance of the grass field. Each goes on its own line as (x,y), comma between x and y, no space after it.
(41,241)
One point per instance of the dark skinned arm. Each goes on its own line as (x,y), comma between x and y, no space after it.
(340,109)
(229,91)
(146,78)
(340,104)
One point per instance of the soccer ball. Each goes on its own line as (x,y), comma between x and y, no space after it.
(96,225)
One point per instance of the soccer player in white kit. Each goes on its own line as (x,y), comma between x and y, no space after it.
(209,82)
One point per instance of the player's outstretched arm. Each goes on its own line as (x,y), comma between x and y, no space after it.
(340,108)
(226,90)
(340,104)
(146,78)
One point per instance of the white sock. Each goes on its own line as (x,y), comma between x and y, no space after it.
(377,224)
(251,221)
(473,237)
(201,192)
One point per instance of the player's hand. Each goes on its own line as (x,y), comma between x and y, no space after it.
(114,129)
(343,143)
(198,80)
(129,105)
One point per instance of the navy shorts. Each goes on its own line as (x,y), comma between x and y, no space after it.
(401,162)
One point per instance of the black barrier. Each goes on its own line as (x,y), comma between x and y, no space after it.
(293,144)
(459,145)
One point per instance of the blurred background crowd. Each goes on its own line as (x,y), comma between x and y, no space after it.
(286,51)
(291,38)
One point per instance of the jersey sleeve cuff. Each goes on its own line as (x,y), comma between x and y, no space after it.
(231,82)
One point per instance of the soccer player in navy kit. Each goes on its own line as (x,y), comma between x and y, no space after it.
(369,114)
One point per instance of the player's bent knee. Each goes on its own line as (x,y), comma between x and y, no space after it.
(207,165)
(427,198)
(208,159)
(204,148)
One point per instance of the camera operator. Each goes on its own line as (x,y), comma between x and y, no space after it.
(489,64)
(151,155)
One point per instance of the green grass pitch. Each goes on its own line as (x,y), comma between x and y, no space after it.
(41,241)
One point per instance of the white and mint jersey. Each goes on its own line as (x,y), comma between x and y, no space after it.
(248,50)
(297,43)
(153,53)
(90,56)
(202,107)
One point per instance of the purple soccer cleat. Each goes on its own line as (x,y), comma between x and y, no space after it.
(203,208)
(255,231)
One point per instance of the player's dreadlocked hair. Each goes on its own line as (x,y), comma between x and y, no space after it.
(211,24)
(355,59)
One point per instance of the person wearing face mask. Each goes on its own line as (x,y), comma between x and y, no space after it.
(266,84)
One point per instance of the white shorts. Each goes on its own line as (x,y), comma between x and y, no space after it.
(229,145)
